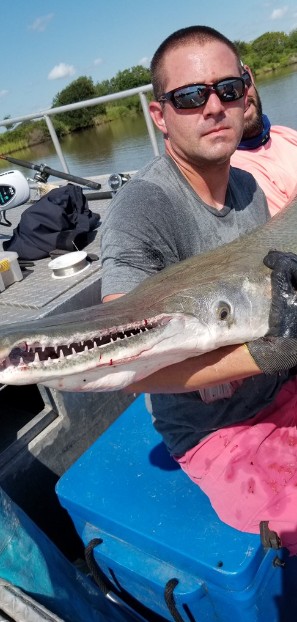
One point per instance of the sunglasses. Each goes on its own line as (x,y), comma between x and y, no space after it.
(196,95)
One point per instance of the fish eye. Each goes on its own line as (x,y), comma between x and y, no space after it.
(223,311)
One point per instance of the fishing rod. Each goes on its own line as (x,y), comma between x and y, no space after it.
(45,171)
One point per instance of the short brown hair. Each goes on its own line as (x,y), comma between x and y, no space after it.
(191,34)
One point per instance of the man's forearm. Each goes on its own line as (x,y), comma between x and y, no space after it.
(216,367)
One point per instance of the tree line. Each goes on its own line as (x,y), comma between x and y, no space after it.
(267,53)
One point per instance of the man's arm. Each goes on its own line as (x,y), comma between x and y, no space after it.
(216,367)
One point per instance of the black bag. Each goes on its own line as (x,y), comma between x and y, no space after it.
(59,220)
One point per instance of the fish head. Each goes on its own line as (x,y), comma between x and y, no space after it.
(224,311)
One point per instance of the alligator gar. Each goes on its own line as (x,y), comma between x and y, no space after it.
(214,299)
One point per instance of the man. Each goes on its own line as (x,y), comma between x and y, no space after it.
(181,204)
(268,152)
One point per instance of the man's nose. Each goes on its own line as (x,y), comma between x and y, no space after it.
(213,104)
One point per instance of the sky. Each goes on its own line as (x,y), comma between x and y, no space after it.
(49,44)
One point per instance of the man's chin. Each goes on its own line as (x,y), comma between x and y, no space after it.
(223,155)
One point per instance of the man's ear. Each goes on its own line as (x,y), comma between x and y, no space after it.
(156,112)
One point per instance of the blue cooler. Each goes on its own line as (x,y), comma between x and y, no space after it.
(159,539)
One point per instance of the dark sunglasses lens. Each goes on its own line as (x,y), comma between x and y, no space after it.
(230,90)
(247,79)
(190,96)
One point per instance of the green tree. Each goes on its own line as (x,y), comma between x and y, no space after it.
(79,90)
(292,41)
(130,78)
(103,88)
(243,48)
(124,80)
(270,42)
(268,52)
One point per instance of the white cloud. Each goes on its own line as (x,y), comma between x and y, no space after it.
(61,71)
(279,13)
(98,61)
(3,93)
(145,61)
(41,23)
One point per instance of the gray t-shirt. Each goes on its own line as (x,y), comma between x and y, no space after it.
(155,220)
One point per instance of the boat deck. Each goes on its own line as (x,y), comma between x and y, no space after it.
(41,295)
(43,431)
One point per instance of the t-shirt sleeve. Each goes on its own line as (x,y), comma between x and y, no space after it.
(137,238)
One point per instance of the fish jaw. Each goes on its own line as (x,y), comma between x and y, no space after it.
(147,350)
(31,358)
(201,323)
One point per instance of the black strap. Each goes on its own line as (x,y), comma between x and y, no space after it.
(106,586)
(99,577)
(3,220)
(170,601)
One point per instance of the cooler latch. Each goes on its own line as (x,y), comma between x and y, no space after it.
(270,539)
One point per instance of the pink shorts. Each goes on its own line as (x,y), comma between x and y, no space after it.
(249,470)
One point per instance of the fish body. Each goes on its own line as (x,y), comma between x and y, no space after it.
(218,298)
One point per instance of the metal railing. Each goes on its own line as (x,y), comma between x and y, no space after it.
(47,114)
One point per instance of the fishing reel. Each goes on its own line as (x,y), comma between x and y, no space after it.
(117,180)
(42,174)
(14,190)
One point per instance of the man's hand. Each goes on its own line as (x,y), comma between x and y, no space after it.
(283,312)
(277,351)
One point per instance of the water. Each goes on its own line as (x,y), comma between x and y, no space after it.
(120,146)
(124,145)
(279,98)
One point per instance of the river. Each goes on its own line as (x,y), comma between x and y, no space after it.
(123,145)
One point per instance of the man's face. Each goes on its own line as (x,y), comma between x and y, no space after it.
(208,134)
(253,124)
